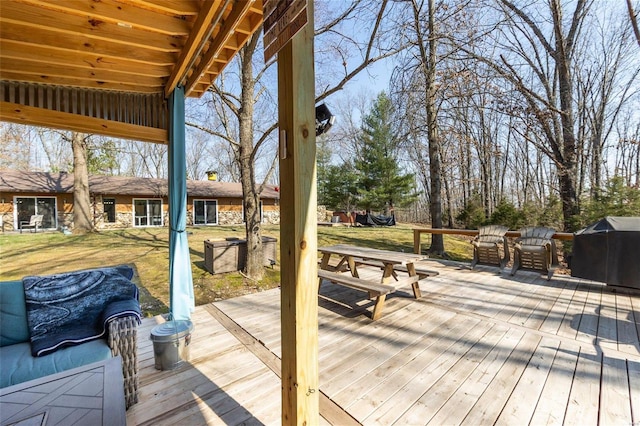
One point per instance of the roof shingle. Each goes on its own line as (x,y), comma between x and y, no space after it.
(45,182)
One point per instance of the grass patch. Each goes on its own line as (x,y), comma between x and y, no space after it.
(147,251)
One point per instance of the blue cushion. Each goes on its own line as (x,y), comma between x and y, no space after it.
(13,314)
(19,366)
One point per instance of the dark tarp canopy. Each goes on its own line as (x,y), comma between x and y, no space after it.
(608,251)
(370,220)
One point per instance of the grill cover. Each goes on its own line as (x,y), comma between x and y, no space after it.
(608,251)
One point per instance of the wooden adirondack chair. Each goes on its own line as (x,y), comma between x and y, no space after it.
(488,244)
(535,250)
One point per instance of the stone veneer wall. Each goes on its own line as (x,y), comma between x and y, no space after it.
(271,217)
(322,214)
(7,221)
(229,218)
(125,219)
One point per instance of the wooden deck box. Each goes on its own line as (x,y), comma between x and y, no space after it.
(230,255)
(222,256)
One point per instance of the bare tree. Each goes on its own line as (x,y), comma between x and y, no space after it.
(633,17)
(17,146)
(604,83)
(197,163)
(82,217)
(428,68)
(540,68)
(627,158)
(419,86)
(249,131)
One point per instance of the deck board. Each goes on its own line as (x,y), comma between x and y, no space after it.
(488,407)
(615,405)
(479,347)
(433,364)
(554,398)
(627,330)
(587,323)
(633,369)
(363,360)
(585,390)
(523,400)
(607,337)
(441,390)
(366,385)
(460,403)
(403,368)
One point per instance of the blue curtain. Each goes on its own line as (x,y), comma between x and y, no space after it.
(181,298)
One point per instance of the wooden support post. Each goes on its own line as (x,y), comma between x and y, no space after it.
(298,229)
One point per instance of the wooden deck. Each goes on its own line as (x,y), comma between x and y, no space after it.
(479,347)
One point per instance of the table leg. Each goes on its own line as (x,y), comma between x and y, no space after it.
(411,269)
(377,309)
(324,264)
(387,273)
(340,264)
(325,261)
(352,266)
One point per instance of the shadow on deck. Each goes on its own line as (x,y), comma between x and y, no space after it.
(479,347)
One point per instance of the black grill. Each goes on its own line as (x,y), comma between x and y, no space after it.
(608,251)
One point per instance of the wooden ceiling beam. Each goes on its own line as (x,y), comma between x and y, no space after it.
(11,50)
(120,44)
(71,82)
(62,120)
(226,31)
(249,25)
(53,71)
(208,16)
(172,7)
(76,44)
(124,14)
(31,20)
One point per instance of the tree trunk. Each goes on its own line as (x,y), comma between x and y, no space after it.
(82,217)
(429,69)
(254,266)
(568,170)
(448,197)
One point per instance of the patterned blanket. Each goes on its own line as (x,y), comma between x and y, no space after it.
(73,308)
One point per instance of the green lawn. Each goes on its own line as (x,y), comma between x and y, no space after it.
(147,250)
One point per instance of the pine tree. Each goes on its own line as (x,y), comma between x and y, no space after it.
(381,184)
(342,187)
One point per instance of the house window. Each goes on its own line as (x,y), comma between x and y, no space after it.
(109,205)
(147,212)
(205,212)
(25,207)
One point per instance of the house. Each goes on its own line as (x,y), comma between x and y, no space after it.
(122,202)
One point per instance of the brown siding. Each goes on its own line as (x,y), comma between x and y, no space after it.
(229,208)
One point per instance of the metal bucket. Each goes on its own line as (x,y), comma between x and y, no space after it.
(171,343)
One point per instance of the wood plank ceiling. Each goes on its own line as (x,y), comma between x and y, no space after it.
(117,51)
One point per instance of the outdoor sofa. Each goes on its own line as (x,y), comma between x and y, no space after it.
(58,322)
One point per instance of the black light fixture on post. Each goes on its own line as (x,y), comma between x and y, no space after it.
(324,119)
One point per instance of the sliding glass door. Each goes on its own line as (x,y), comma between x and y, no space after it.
(205,212)
(147,212)
(25,207)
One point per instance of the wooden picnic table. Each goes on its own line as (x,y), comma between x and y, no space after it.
(417,232)
(348,259)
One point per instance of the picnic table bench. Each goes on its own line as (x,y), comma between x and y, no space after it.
(422,273)
(345,271)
